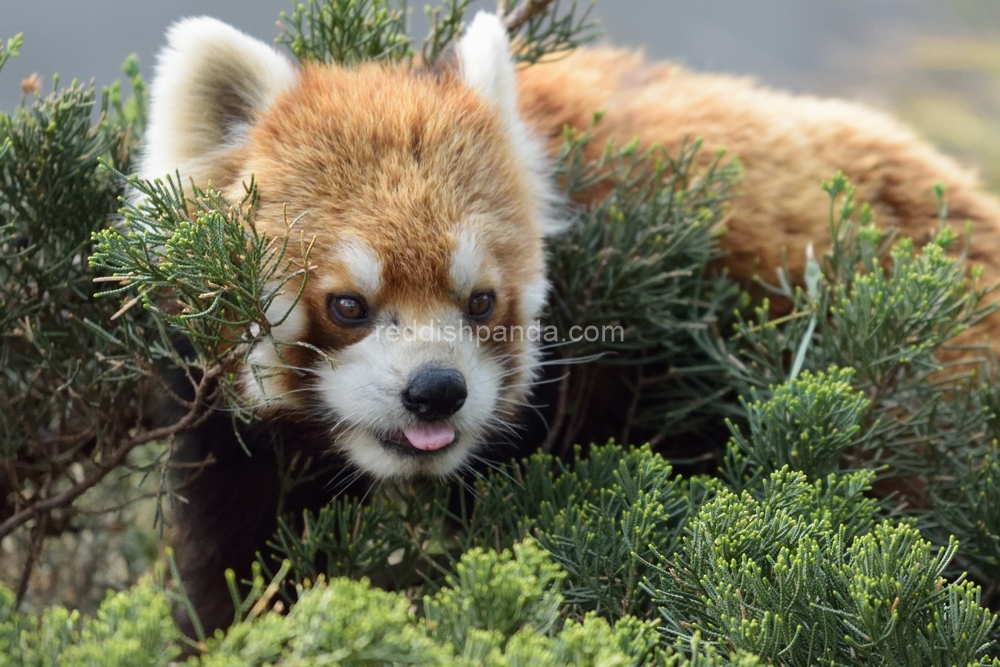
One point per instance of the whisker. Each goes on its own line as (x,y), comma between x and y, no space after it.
(498,468)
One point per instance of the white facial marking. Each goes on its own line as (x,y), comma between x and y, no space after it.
(363,266)
(469,267)
(466,261)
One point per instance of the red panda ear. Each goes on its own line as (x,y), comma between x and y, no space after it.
(210,82)
(486,63)
(487,66)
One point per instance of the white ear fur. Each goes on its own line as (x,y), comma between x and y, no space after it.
(487,67)
(210,82)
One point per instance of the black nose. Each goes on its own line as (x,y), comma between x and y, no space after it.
(435,393)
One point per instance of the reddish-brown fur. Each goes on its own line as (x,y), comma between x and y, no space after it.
(787,145)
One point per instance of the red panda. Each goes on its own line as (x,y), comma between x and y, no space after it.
(427,197)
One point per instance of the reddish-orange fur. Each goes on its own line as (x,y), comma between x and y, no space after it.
(787,145)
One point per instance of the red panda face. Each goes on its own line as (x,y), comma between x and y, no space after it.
(421,199)
(428,271)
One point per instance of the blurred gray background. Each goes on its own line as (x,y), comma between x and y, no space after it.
(934,62)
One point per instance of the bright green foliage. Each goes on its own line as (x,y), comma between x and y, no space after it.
(501,609)
(13,49)
(345,622)
(786,577)
(696,653)
(807,424)
(131,629)
(131,113)
(497,594)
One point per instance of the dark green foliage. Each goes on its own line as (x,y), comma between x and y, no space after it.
(64,401)
(346,31)
(883,322)
(349,32)
(445,26)
(634,268)
(52,197)
(201,269)
(966,502)
(552,33)
(654,229)
(598,519)
(787,577)
(807,424)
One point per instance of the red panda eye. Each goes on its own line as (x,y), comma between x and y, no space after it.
(347,308)
(481,305)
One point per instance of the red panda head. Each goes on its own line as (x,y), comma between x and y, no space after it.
(425,201)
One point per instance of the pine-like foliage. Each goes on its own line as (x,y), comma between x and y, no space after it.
(65,400)
(882,313)
(853,519)
(348,32)
(634,269)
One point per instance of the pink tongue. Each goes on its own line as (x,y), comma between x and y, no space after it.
(428,437)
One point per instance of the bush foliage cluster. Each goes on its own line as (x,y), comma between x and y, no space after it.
(853,517)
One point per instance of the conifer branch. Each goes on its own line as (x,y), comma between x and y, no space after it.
(111,462)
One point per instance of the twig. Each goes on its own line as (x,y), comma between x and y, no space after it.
(112,462)
(522,13)
(34,548)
